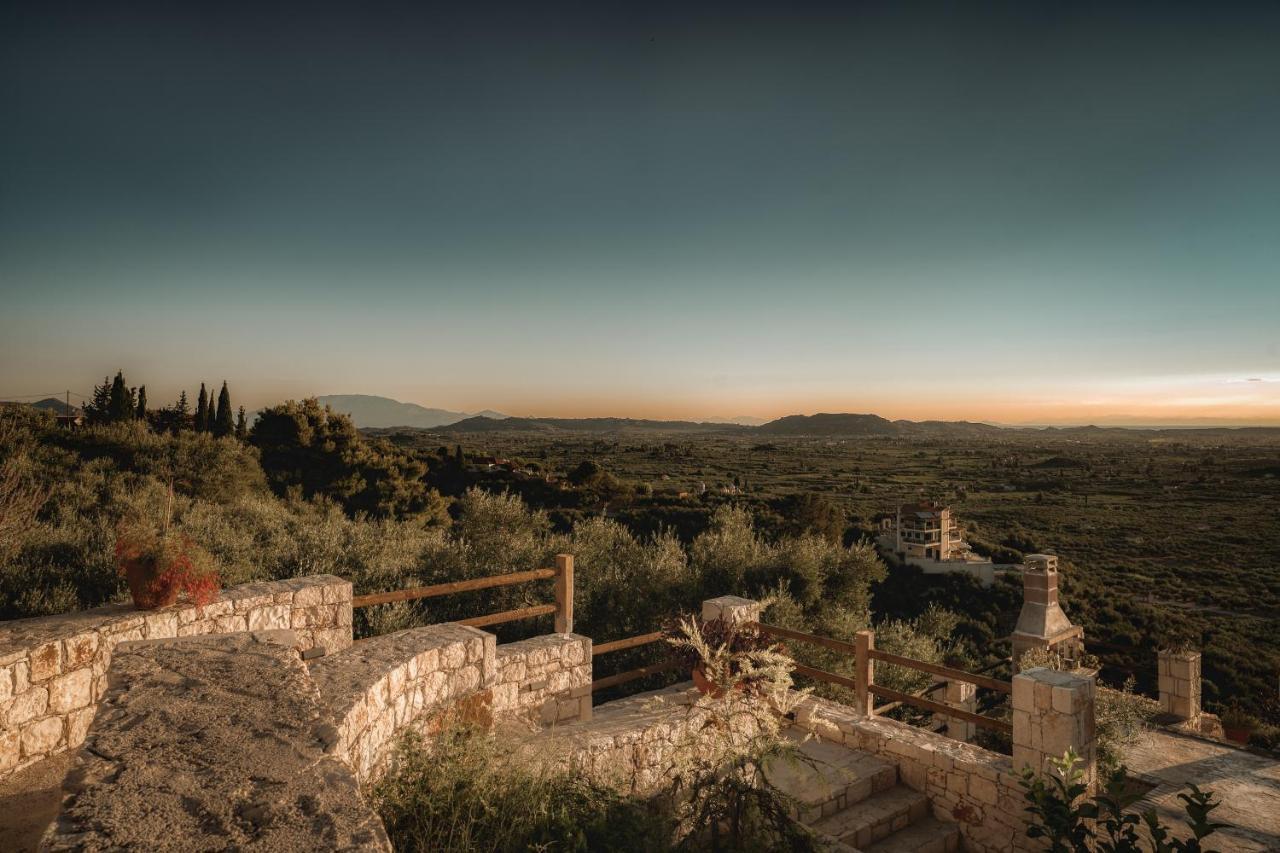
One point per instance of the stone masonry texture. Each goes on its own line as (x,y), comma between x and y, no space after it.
(212,743)
(53,669)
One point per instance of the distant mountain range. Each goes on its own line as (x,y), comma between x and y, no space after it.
(58,407)
(812,425)
(370,412)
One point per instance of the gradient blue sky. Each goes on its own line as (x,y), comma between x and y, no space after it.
(1032,212)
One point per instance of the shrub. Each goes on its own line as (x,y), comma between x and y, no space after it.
(1069,823)
(467,791)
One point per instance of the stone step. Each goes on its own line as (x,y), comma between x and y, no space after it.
(927,836)
(876,817)
(828,777)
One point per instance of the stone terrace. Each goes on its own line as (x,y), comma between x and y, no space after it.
(53,670)
(212,743)
(228,736)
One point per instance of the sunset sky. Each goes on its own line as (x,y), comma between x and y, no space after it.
(1046,214)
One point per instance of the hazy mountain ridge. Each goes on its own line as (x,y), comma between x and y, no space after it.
(373,412)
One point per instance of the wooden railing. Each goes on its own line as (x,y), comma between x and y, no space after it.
(562,608)
(865,689)
(631,674)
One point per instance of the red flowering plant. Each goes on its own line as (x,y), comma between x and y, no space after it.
(160,564)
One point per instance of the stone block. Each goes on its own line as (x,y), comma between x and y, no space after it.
(78,651)
(28,705)
(68,692)
(161,624)
(78,724)
(10,751)
(41,737)
(309,596)
(46,661)
(731,609)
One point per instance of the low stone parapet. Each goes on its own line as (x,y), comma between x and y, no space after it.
(544,679)
(386,685)
(53,669)
(967,785)
(632,744)
(212,742)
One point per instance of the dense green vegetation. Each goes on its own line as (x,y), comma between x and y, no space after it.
(1163,536)
(1163,539)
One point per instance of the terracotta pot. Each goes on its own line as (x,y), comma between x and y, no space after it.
(708,688)
(149,590)
(704,684)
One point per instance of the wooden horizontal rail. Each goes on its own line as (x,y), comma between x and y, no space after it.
(628,643)
(633,674)
(887,657)
(940,708)
(823,675)
(451,587)
(826,642)
(508,616)
(944,671)
(891,706)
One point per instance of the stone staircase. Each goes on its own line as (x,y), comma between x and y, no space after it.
(855,802)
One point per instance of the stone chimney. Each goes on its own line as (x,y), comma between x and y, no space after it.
(1042,624)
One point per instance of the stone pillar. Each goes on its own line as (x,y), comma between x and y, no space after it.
(731,609)
(1180,684)
(962,695)
(1051,712)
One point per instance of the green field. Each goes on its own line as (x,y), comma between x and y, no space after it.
(1162,537)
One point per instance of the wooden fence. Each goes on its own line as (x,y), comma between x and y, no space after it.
(562,607)
(865,689)
(863,650)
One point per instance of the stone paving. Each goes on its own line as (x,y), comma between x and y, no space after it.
(1248,786)
(212,743)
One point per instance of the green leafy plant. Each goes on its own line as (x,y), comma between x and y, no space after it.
(468,791)
(721,788)
(1069,822)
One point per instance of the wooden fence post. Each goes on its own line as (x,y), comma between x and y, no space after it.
(564,593)
(865,667)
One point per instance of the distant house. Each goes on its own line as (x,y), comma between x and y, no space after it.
(927,535)
(71,421)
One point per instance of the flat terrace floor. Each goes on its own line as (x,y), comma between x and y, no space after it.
(1247,785)
(29,802)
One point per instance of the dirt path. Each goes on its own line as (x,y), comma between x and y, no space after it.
(29,802)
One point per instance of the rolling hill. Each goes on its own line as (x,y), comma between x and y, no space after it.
(370,412)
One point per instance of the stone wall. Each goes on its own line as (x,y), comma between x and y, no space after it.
(398,682)
(408,681)
(545,679)
(632,743)
(53,669)
(212,742)
(967,785)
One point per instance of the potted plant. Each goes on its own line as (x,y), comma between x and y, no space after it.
(722,656)
(160,564)
(1238,724)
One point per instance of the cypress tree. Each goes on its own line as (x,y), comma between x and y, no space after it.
(99,405)
(242,427)
(222,424)
(120,401)
(202,410)
(141,412)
